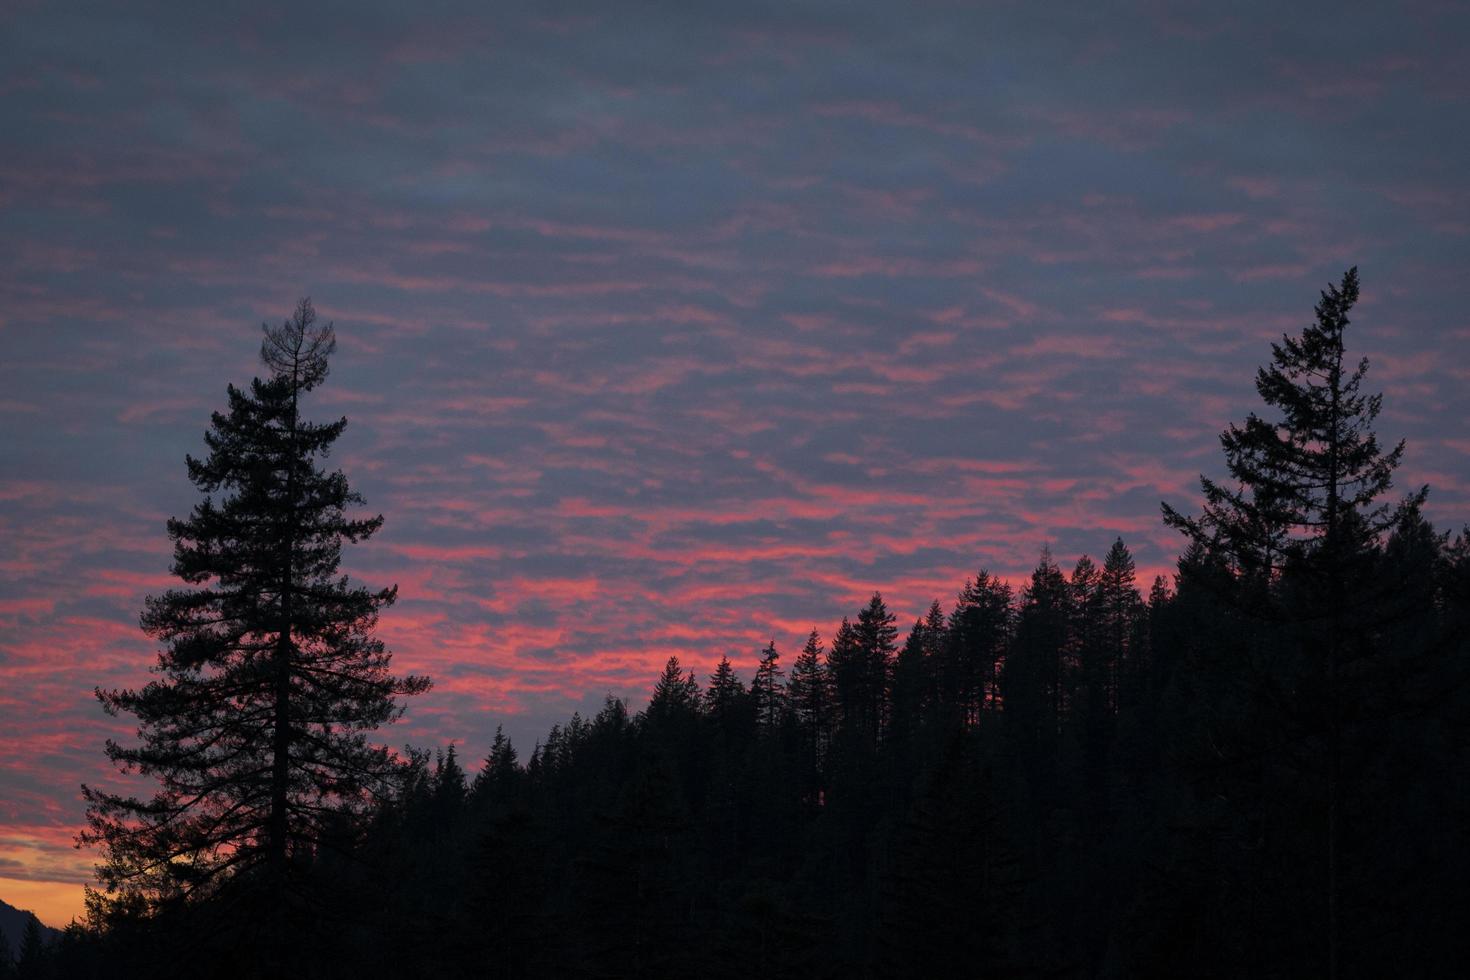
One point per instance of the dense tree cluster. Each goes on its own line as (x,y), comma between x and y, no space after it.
(1257,768)
(1074,780)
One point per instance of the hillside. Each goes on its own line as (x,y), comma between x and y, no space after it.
(13,925)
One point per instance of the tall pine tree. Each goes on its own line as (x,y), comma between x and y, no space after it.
(810,696)
(767,692)
(1300,531)
(270,682)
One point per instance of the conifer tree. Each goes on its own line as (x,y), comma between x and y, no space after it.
(1032,681)
(1309,484)
(498,775)
(270,681)
(725,691)
(810,694)
(874,635)
(1035,673)
(1301,526)
(450,786)
(675,697)
(936,642)
(669,689)
(848,670)
(1082,669)
(979,632)
(1120,609)
(766,690)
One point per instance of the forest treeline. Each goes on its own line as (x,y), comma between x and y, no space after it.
(1071,779)
(1256,768)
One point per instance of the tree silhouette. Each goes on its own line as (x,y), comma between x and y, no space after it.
(499,776)
(810,696)
(768,694)
(270,678)
(723,697)
(979,630)
(1299,531)
(875,633)
(1120,609)
(1033,680)
(1310,482)
(676,695)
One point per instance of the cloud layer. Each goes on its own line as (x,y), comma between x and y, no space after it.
(673,328)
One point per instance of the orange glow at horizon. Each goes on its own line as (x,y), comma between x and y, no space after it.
(55,903)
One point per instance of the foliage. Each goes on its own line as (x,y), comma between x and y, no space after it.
(270,681)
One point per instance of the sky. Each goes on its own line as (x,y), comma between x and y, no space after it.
(674,328)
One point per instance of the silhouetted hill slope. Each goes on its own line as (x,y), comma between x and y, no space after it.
(13,925)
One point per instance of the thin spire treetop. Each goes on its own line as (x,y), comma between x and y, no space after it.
(299,348)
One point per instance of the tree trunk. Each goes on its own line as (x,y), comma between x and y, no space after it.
(279,858)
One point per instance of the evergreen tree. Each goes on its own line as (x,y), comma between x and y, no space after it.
(673,722)
(450,786)
(270,680)
(1120,611)
(768,694)
(1083,672)
(848,669)
(1034,677)
(876,634)
(1089,701)
(1310,482)
(497,779)
(675,694)
(979,633)
(936,643)
(810,695)
(1300,530)
(725,692)
(861,661)
(551,754)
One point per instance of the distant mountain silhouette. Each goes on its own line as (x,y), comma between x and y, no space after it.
(13,925)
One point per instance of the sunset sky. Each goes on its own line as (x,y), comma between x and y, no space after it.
(672,328)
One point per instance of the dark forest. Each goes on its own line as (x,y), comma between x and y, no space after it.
(1255,768)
